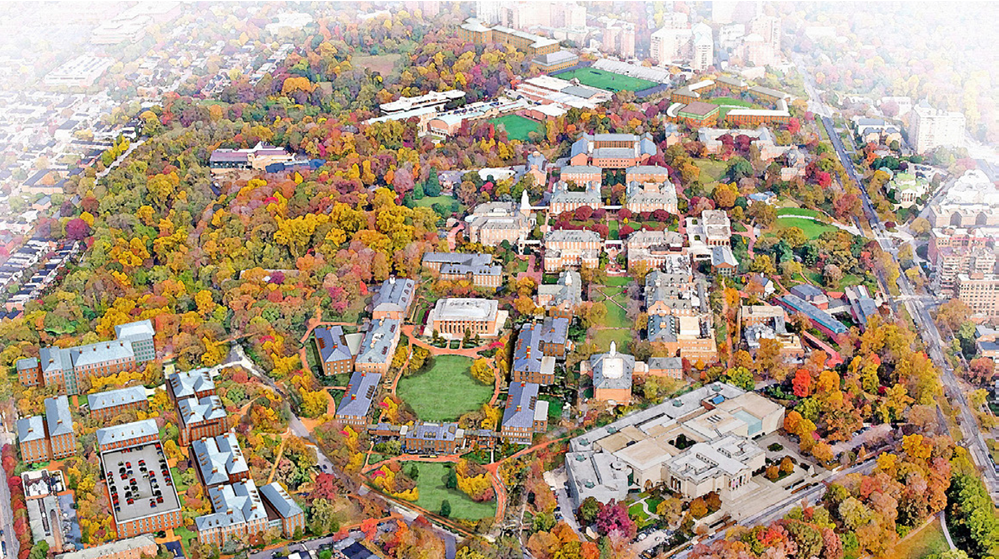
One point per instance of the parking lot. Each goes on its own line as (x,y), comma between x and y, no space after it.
(139,482)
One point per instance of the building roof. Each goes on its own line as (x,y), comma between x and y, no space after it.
(332,344)
(278,498)
(567,290)
(814,313)
(140,330)
(194,410)
(557,57)
(112,398)
(219,458)
(665,363)
(581,170)
(57,416)
(361,391)
(728,455)
(699,109)
(112,548)
(378,344)
(128,431)
(520,404)
(554,330)
(101,352)
(30,429)
(188,383)
(394,295)
(428,431)
(233,504)
(722,256)
(612,370)
(572,235)
(27,363)
(464,308)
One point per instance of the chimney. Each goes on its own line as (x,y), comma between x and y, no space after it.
(353,396)
(518,408)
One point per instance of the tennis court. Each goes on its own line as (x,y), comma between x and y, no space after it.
(608,81)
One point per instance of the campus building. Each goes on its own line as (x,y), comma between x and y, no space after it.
(650,196)
(581,174)
(565,248)
(538,347)
(654,248)
(219,460)
(393,299)
(238,512)
(761,322)
(129,548)
(433,438)
(68,367)
(334,354)
(494,222)
(562,297)
(475,31)
(200,418)
(822,320)
(282,510)
(612,151)
(906,188)
(554,61)
(612,375)
(356,402)
(698,114)
(524,414)
(712,229)
(258,157)
(107,405)
(378,346)
(51,438)
(475,268)
(196,383)
(451,318)
(565,200)
(129,434)
(696,443)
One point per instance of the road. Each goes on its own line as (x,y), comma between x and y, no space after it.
(916,305)
(6,512)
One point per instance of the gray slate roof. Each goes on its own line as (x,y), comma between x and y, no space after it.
(378,345)
(193,410)
(140,330)
(280,500)
(395,294)
(218,458)
(30,429)
(520,403)
(360,391)
(332,344)
(119,397)
(57,416)
(127,431)
(188,383)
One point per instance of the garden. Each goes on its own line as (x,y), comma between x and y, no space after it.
(446,391)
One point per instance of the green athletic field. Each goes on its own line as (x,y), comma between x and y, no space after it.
(518,127)
(608,81)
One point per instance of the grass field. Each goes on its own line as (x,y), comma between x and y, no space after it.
(444,392)
(730,101)
(929,540)
(618,281)
(382,63)
(433,492)
(812,229)
(428,201)
(608,81)
(620,336)
(518,127)
(711,170)
(616,315)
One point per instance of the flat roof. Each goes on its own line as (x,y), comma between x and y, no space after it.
(145,488)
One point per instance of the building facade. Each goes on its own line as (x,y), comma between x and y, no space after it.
(981,293)
(930,128)
(107,405)
(571,249)
(451,318)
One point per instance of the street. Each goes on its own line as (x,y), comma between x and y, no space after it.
(916,307)
(6,512)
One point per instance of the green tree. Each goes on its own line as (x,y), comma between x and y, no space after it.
(445,508)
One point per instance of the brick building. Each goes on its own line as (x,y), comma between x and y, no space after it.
(219,460)
(981,293)
(524,414)
(107,405)
(475,268)
(356,402)
(434,438)
(334,354)
(566,248)
(200,418)
(238,512)
(282,510)
(452,317)
(612,151)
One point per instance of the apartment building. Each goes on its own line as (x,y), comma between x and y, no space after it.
(930,128)
(981,293)
(539,346)
(201,418)
(129,434)
(238,512)
(356,402)
(475,31)
(219,460)
(32,440)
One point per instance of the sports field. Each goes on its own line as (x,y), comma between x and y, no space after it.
(518,127)
(608,81)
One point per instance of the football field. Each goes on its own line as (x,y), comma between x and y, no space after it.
(608,81)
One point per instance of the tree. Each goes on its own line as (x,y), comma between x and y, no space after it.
(451,479)
(741,377)
(482,372)
(763,264)
(802,383)
(613,517)
(445,508)
(588,510)
(432,187)
(953,313)
(739,168)
(832,275)
(77,229)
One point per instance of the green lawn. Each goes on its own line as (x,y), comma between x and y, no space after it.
(800,211)
(620,336)
(433,492)
(711,170)
(617,281)
(730,101)
(518,127)
(444,392)
(617,317)
(428,201)
(637,512)
(928,541)
(613,226)
(812,229)
(185,538)
(609,81)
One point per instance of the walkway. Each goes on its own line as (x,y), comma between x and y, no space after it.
(532,270)
(472,352)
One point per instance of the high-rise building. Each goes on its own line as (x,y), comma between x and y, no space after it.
(702,48)
(981,293)
(619,37)
(768,27)
(930,128)
(669,44)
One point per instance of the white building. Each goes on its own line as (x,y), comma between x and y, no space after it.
(702,48)
(930,128)
(82,71)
